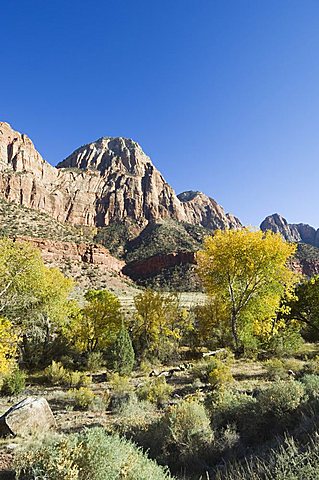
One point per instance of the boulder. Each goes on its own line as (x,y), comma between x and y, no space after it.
(31,415)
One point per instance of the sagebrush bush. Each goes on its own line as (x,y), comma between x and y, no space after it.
(89,455)
(290,461)
(281,397)
(155,391)
(311,386)
(55,373)
(14,383)
(275,369)
(188,430)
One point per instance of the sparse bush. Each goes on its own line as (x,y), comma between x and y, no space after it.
(76,379)
(14,383)
(312,367)
(216,370)
(90,455)
(56,374)
(155,391)
(82,398)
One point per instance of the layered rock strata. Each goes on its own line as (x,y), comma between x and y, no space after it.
(107,181)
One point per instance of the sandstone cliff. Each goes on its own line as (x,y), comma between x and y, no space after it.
(107,181)
(295,232)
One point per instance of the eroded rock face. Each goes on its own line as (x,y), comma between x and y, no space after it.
(203,210)
(107,181)
(294,232)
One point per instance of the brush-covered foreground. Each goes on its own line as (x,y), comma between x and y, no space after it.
(214,417)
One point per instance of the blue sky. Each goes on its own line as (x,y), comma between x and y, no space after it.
(222,94)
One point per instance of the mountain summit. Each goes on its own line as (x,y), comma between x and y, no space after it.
(107,181)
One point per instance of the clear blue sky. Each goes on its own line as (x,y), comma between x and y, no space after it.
(222,94)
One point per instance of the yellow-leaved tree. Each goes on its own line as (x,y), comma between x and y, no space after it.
(157,323)
(248,272)
(8,346)
(96,326)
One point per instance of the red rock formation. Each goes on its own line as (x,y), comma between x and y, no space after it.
(107,181)
(142,269)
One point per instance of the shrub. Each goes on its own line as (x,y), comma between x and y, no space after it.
(188,429)
(311,386)
(282,397)
(122,353)
(82,398)
(216,370)
(94,361)
(230,408)
(121,391)
(312,367)
(14,383)
(55,373)
(76,379)
(90,455)
(275,369)
(156,391)
(135,416)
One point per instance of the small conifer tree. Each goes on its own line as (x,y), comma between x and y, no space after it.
(122,354)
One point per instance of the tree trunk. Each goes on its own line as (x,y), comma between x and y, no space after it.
(234,330)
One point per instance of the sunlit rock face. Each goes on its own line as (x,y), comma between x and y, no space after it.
(110,180)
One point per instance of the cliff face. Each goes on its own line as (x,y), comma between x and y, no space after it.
(107,181)
(294,232)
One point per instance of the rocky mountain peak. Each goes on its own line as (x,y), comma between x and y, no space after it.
(108,153)
(292,232)
(107,181)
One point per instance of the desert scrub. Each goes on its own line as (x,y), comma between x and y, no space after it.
(187,432)
(82,397)
(289,461)
(281,397)
(90,455)
(13,383)
(56,374)
(121,391)
(310,383)
(216,370)
(155,391)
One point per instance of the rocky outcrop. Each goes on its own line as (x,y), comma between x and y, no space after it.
(108,181)
(295,232)
(30,416)
(149,267)
(55,251)
(203,210)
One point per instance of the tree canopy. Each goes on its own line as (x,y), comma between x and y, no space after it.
(248,272)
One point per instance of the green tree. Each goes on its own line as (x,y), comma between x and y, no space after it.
(122,353)
(247,271)
(304,307)
(96,326)
(156,324)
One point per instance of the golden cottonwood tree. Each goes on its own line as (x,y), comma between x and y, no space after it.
(156,322)
(247,270)
(96,326)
